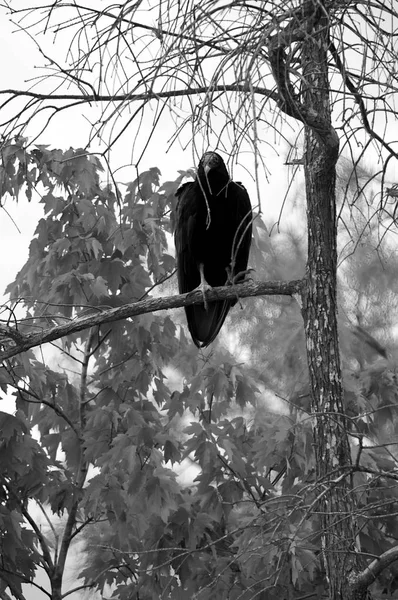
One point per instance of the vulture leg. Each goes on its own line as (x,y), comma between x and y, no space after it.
(204,286)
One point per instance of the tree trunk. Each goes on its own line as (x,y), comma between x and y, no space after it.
(56,588)
(333,460)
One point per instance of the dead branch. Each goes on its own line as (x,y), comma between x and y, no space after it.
(366,577)
(243,290)
(149,95)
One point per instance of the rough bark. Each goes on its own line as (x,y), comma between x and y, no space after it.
(336,507)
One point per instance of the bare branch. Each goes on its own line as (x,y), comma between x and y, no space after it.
(89,98)
(244,290)
(368,575)
(78,589)
(359,100)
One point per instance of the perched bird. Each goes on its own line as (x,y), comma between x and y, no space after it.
(212,238)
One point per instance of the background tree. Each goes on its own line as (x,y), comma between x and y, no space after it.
(265,65)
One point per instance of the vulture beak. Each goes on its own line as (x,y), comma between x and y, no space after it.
(210,160)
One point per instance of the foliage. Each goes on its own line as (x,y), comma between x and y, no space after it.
(185,473)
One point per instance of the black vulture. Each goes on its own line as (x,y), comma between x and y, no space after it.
(212,238)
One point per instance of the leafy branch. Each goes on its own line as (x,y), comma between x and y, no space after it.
(48,563)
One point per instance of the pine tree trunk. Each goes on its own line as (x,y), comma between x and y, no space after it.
(336,504)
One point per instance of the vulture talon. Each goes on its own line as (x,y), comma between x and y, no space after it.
(241,276)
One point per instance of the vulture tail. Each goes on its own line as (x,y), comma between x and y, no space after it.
(203,324)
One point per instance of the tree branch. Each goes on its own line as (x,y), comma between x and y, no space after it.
(25,579)
(368,575)
(78,589)
(148,95)
(243,290)
(359,100)
(49,564)
(288,100)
